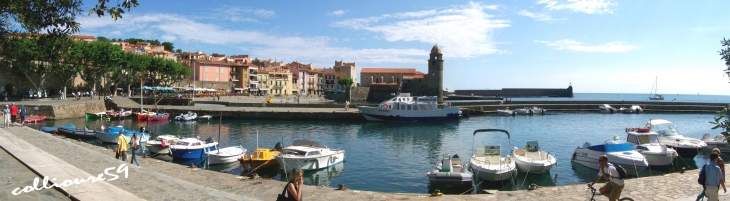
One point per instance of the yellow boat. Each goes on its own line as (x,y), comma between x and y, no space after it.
(261,158)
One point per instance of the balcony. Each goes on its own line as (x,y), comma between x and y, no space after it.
(253,72)
(234,72)
(278,87)
(233,79)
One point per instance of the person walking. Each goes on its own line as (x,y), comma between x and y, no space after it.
(21,113)
(122,144)
(13,114)
(294,187)
(60,94)
(135,147)
(713,178)
(347,105)
(91,95)
(6,116)
(614,185)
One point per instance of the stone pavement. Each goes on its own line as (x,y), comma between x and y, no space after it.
(160,180)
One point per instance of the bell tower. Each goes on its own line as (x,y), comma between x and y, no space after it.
(435,73)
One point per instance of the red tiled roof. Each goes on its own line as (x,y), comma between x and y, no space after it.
(389,70)
(83,37)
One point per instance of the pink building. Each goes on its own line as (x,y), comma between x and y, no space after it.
(216,71)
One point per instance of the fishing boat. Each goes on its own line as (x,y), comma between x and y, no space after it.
(605,108)
(158,117)
(647,143)
(160,145)
(34,118)
(719,141)
(450,170)
(110,135)
(78,133)
(142,116)
(686,147)
(95,115)
(653,95)
(407,108)
(488,164)
(191,148)
(506,112)
(225,155)
(187,116)
(308,155)
(617,151)
(532,159)
(51,129)
(119,115)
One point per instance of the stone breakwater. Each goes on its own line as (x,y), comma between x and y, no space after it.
(161,180)
(61,109)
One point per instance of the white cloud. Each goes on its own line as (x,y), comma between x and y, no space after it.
(584,6)
(317,49)
(460,31)
(337,13)
(577,46)
(115,33)
(538,16)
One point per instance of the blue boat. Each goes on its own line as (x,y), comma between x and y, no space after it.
(192,148)
(51,129)
(110,135)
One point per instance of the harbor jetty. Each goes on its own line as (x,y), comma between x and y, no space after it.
(63,158)
(316,108)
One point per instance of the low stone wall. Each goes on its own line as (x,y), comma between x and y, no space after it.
(164,101)
(65,111)
(273,115)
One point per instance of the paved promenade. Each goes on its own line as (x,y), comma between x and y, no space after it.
(160,180)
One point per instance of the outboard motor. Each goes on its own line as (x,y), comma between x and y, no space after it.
(210,140)
(277,146)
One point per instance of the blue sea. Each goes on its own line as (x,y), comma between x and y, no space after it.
(695,98)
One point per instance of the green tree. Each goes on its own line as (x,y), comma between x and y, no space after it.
(168,46)
(722,117)
(178,50)
(346,83)
(114,11)
(102,38)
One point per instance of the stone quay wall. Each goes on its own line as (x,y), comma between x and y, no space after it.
(519,92)
(64,111)
(241,113)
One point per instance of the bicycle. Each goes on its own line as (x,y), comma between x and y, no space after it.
(593,194)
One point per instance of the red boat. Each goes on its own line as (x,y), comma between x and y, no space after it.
(142,116)
(35,118)
(158,117)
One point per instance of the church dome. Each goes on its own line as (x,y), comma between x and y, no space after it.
(436,49)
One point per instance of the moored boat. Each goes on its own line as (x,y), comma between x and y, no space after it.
(142,116)
(95,115)
(532,159)
(158,117)
(78,133)
(647,143)
(450,170)
(605,108)
(506,112)
(686,147)
(35,118)
(160,145)
(187,116)
(617,151)
(719,141)
(191,148)
(308,155)
(488,163)
(537,110)
(407,108)
(51,129)
(119,115)
(225,155)
(110,135)
(523,111)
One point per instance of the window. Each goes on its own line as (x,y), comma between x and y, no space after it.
(408,107)
(216,79)
(313,153)
(430,107)
(415,107)
(632,139)
(206,70)
(402,107)
(423,107)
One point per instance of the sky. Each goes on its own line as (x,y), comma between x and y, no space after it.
(597,46)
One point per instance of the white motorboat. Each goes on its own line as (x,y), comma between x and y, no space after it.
(617,151)
(718,141)
(532,159)
(454,172)
(407,108)
(537,110)
(161,144)
(633,109)
(523,111)
(686,147)
(225,155)
(206,117)
(647,143)
(506,112)
(308,155)
(187,116)
(605,108)
(191,148)
(488,163)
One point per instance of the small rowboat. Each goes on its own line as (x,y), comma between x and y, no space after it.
(77,133)
(35,118)
(95,115)
(158,117)
(142,116)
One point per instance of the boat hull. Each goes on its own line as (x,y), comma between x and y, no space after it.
(158,149)
(190,153)
(504,169)
(686,152)
(226,155)
(589,158)
(437,177)
(539,166)
(720,145)
(376,114)
(311,163)
(35,119)
(73,133)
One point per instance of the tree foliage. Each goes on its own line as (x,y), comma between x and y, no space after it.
(114,11)
(169,46)
(345,82)
(722,117)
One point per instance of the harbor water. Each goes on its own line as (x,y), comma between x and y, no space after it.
(397,156)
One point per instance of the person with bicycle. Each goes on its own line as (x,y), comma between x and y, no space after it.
(614,184)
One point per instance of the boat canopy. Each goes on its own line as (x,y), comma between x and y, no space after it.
(307,143)
(655,122)
(612,147)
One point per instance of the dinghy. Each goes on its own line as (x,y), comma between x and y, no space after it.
(78,133)
(453,172)
(532,159)
(225,155)
(488,163)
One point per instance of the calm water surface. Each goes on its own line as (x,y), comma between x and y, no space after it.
(395,157)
